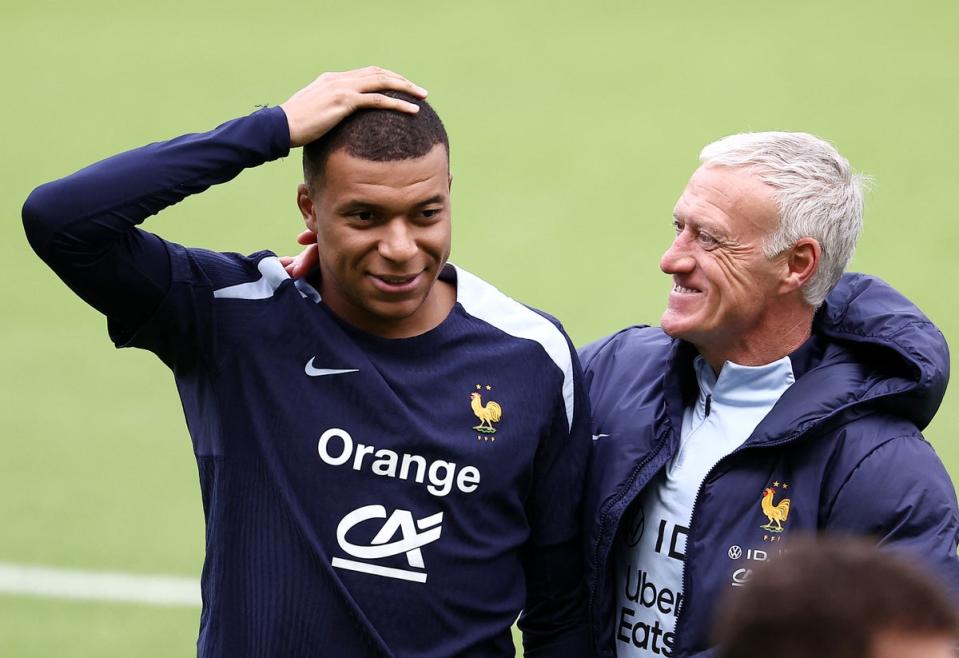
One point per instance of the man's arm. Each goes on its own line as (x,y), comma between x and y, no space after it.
(554,621)
(84,226)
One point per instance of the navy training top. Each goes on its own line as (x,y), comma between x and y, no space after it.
(363,496)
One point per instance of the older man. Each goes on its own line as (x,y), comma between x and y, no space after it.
(778,396)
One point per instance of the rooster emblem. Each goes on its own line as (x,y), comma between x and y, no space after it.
(488,413)
(776,513)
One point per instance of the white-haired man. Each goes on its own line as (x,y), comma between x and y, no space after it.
(779,396)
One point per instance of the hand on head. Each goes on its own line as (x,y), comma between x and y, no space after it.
(321,105)
(315,109)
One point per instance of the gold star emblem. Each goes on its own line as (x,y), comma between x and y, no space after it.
(776,483)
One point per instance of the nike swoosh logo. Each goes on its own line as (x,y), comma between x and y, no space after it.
(320,372)
(597,437)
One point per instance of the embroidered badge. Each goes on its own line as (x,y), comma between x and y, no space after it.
(776,513)
(488,413)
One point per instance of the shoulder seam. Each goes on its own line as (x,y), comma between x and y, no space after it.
(479,299)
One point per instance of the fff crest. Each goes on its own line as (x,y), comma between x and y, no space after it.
(487,413)
(776,513)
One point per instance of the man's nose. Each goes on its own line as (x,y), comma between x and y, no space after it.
(398,243)
(677,258)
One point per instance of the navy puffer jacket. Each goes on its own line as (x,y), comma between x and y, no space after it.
(845,439)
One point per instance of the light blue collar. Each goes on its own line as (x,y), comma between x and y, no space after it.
(744,386)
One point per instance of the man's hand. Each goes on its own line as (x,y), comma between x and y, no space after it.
(309,258)
(315,109)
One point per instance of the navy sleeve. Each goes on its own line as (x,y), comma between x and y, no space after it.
(901,495)
(554,620)
(84,226)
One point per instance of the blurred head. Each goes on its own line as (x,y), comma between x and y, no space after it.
(376,192)
(764,229)
(837,599)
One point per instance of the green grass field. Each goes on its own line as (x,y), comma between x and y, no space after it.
(573,131)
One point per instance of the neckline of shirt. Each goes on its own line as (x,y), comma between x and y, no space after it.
(744,386)
(448,273)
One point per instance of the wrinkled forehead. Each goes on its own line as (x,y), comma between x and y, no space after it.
(730,195)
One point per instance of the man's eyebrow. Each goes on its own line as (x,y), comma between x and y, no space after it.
(363,204)
(353,204)
(436,198)
(699,224)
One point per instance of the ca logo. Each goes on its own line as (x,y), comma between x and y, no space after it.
(413,535)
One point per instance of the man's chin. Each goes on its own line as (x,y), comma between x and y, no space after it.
(683,329)
(673,325)
(396,312)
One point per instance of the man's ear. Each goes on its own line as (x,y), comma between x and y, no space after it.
(801,263)
(307,208)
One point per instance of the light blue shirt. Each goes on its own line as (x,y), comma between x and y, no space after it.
(650,557)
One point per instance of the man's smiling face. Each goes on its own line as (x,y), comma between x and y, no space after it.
(724,287)
(383,233)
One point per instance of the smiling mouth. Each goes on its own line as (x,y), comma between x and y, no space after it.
(685,291)
(395,280)
(396,283)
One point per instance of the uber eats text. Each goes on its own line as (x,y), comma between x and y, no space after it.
(337,448)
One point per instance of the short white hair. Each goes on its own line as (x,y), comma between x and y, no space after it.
(816,191)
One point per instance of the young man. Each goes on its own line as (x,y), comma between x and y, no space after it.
(390,450)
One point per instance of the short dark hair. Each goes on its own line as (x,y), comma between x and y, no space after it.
(378,135)
(831,598)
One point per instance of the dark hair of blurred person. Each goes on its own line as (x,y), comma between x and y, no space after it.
(838,599)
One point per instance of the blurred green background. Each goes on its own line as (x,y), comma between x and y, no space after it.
(574,128)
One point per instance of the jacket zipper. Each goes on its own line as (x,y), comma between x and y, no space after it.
(692,515)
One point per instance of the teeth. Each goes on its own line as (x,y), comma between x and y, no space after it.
(396,279)
(679,288)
